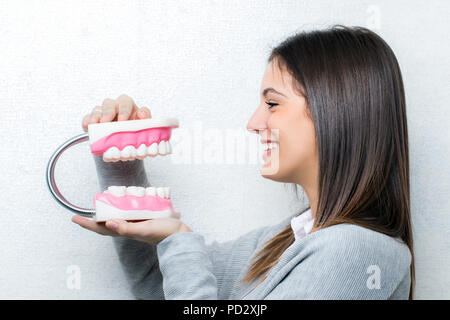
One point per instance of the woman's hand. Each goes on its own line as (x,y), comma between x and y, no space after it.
(121,109)
(151,231)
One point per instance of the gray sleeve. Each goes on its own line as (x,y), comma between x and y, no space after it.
(138,259)
(193,270)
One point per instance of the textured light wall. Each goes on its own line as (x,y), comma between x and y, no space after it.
(200,61)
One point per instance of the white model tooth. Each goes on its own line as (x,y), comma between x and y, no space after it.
(133,152)
(114,152)
(125,153)
(107,155)
(162,149)
(169,147)
(133,191)
(153,149)
(160,192)
(118,191)
(166,192)
(150,191)
(140,191)
(141,152)
(128,152)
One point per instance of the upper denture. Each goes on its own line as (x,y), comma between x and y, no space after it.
(131,139)
(129,145)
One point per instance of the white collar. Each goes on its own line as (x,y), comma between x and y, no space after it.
(302,224)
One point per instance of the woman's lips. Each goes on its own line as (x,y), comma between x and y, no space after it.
(268,141)
(268,153)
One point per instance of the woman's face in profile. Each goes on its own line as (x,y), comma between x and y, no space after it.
(293,157)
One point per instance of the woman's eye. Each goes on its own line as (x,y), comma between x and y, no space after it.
(271,104)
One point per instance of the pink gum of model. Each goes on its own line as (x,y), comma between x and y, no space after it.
(130,202)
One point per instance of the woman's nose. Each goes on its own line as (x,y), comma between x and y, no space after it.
(257,122)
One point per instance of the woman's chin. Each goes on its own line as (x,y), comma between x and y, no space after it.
(270,170)
(270,167)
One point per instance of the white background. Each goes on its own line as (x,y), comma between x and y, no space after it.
(202,62)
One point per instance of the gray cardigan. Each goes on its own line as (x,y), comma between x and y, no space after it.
(339,262)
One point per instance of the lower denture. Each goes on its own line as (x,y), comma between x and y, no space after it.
(130,202)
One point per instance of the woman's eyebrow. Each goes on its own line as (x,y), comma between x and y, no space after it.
(267,90)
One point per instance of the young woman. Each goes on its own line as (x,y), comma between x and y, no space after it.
(336,102)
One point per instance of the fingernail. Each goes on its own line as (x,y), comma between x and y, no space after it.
(113,224)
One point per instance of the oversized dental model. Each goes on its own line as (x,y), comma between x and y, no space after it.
(128,140)
(125,141)
(134,203)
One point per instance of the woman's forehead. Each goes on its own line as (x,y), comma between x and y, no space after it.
(277,77)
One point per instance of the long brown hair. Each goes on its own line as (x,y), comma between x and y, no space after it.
(355,96)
